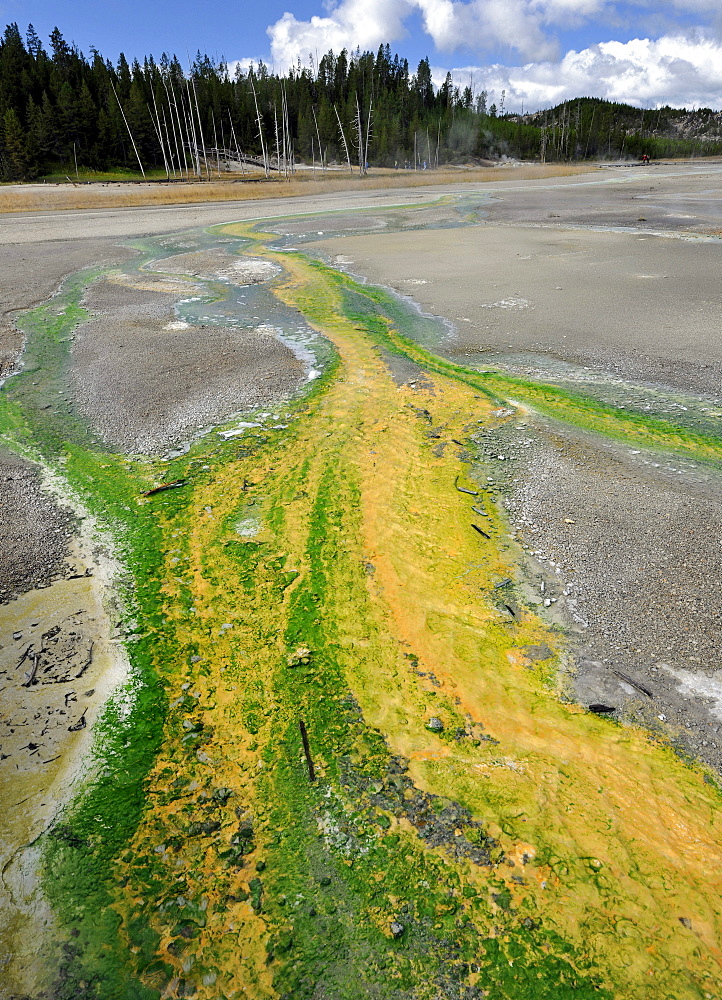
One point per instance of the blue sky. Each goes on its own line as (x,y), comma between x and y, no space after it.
(648,52)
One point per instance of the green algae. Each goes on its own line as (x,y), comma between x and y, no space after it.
(382,316)
(367,868)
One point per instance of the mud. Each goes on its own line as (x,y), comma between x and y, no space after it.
(60,658)
(663,196)
(612,301)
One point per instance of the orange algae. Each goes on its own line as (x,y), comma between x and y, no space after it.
(604,836)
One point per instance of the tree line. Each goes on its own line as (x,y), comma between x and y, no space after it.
(61,111)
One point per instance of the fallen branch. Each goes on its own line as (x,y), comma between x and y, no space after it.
(307,750)
(176,484)
(635,684)
(24,656)
(87,662)
(80,724)
(31,676)
(461,489)
(481,532)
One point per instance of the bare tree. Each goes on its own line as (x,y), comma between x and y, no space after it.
(260,123)
(343,139)
(156,122)
(368,136)
(238,152)
(318,136)
(137,154)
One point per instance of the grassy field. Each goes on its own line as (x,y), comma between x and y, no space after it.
(104,194)
(324,568)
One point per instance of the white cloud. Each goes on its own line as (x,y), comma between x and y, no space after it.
(450,25)
(674,69)
(363,23)
(525,26)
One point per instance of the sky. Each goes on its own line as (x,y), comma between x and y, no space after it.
(539,52)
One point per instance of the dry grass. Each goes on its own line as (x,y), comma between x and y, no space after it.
(37,197)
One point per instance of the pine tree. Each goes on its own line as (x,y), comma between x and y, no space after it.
(63,103)
(16,151)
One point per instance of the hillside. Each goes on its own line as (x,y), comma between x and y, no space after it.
(591,127)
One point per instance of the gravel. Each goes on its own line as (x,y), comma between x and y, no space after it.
(627,557)
(144,380)
(36,531)
(33,272)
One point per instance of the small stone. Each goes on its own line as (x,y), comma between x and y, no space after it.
(397,929)
(301,656)
(538,652)
(435,724)
(17,635)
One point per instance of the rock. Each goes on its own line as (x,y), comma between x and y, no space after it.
(301,656)
(397,929)
(435,724)
(199,829)
(538,652)
(601,709)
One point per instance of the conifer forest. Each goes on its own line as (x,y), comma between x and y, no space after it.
(62,112)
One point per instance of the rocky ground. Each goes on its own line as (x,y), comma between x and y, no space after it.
(625,556)
(32,273)
(147,381)
(37,531)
